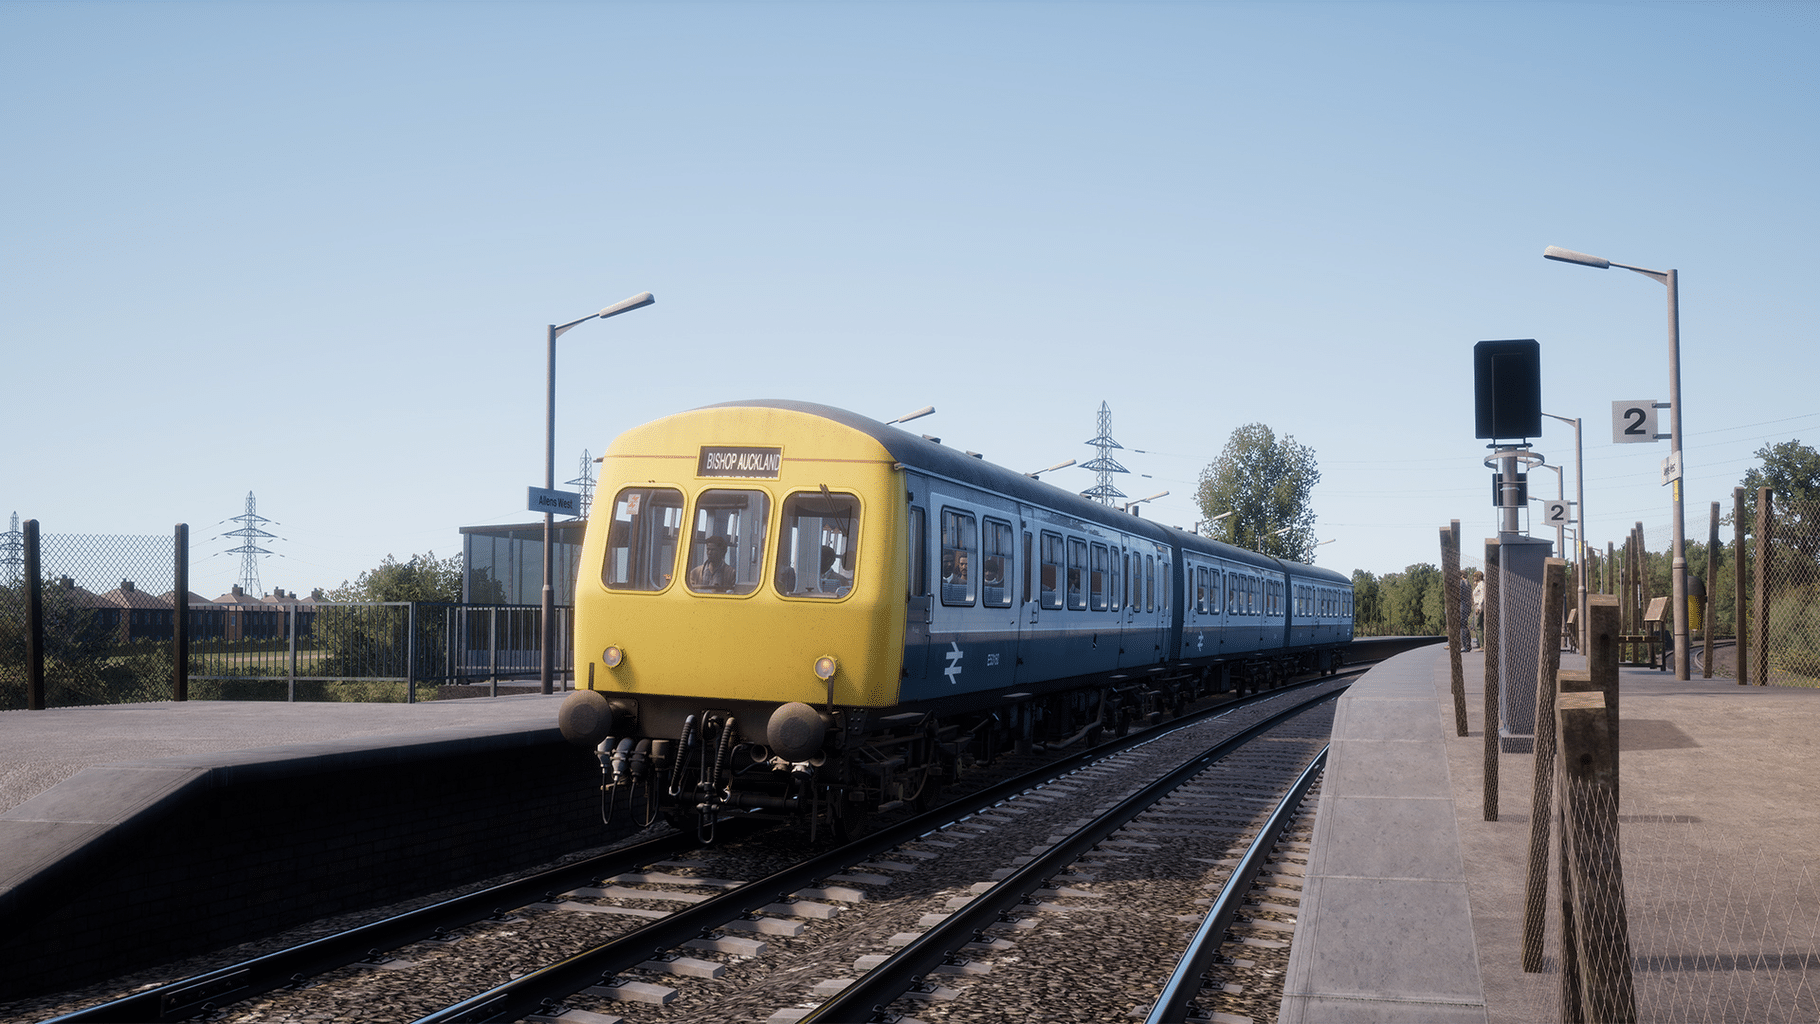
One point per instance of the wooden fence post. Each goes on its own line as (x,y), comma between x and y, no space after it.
(1548,662)
(1760,603)
(1739,603)
(1712,592)
(1589,805)
(1457,612)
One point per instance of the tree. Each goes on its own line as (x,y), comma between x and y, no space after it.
(1791,471)
(1265,482)
(423,578)
(358,639)
(1367,617)
(1412,601)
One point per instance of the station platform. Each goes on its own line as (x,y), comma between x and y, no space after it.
(136,833)
(1414,902)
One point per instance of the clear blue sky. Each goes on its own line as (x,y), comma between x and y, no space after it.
(310,250)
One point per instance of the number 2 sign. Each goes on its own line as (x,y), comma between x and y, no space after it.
(1633,422)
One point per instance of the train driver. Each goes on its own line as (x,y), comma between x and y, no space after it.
(713,574)
(833,580)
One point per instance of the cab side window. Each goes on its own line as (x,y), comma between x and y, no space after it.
(919,546)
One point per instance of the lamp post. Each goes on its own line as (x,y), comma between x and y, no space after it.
(549,473)
(1209,522)
(1580,523)
(1134,504)
(1678,565)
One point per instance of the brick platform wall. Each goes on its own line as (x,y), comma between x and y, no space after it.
(251,849)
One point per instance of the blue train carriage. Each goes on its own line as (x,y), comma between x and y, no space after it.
(784,608)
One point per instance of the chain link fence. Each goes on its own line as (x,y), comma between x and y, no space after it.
(1785,593)
(106,634)
(106,626)
(1710,933)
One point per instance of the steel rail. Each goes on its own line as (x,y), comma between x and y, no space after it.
(181,1000)
(867,998)
(1185,982)
(537,990)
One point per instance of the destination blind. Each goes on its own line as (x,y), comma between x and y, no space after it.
(750,463)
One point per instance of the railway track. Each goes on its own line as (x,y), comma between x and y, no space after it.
(667,931)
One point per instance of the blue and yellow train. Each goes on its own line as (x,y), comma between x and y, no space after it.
(785,608)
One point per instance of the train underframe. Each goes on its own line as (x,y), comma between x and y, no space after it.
(696,764)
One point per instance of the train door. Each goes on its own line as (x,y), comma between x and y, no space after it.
(1161,587)
(1031,607)
(917,611)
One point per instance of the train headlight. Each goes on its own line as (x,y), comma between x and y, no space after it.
(825,667)
(612,656)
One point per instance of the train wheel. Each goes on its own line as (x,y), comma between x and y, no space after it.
(846,818)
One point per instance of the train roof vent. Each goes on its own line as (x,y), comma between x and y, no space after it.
(976,455)
(932,440)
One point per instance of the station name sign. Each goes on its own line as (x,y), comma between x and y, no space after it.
(751,463)
(561,503)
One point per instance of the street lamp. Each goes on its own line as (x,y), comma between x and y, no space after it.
(1215,519)
(1580,521)
(1678,564)
(1134,504)
(549,470)
(907,417)
(1037,474)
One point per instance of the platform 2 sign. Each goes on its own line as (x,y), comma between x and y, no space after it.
(561,503)
(747,463)
(1635,422)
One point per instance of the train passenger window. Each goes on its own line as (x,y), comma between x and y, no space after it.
(1051,575)
(817,545)
(727,546)
(1213,591)
(642,538)
(995,579)
(1097,584)
(1200,589)
(1150,583)
(960,542)
(919,546)
(1077,574)
(1164,585)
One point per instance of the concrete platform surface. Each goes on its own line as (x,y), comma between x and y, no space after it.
(1414,903)
(39,749)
